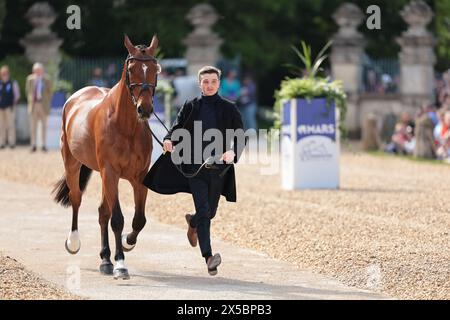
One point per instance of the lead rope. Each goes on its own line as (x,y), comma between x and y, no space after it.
(209,161)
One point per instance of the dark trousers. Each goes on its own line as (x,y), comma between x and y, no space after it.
(206,189)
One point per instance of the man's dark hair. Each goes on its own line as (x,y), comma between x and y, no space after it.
(209,69)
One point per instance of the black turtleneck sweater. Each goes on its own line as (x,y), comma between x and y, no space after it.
(207,115)
(207,112)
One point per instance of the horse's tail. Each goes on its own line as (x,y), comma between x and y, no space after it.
(85,175)
(61,189)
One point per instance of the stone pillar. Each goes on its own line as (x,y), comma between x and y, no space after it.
(41,44)
(202,44)
(370,133)
(347,58)
(417,58)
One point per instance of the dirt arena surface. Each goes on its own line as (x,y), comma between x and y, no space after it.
(386,229)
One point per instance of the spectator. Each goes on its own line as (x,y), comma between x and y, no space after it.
(230,87)
(439,86)
(438,128)
(39,95)
(371,85)
(402,141)
(387,83)
(425,123)
(9,96)
(442,136)
(111,75)
(445,99)
(97,79)
(247,103)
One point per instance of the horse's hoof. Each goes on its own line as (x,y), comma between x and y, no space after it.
(72,248)
(73,243)
(121,274)
(125,246)
(121,271)
(106,268)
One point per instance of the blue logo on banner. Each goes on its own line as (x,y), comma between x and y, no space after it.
(315,118)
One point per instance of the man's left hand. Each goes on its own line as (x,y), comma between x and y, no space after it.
(228,156)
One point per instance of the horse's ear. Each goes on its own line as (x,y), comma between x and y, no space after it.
(153,45)
(130,47)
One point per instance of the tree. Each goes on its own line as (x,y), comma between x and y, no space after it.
(442,27)
(2,14)
(261,32)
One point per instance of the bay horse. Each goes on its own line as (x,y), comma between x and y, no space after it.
(107,130)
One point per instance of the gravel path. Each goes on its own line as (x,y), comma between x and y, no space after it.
(18,283)
(162,266)
(386,229)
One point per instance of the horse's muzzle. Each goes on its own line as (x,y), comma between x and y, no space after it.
(143,114)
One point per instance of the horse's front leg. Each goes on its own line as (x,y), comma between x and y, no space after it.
(105,253)
(140,196)
(111,189)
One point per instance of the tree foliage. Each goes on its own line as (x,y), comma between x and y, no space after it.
(261,32)
(2,14)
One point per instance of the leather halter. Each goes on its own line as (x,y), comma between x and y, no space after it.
(145,86)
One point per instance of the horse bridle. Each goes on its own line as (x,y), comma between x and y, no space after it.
(145,86)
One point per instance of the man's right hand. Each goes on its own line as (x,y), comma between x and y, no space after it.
(167,146)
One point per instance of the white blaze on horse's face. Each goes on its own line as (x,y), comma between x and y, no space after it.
(144,68)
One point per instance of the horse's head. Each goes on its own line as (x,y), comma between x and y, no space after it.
(142,70)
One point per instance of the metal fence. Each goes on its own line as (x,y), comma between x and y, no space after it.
(77,73)
(380,76)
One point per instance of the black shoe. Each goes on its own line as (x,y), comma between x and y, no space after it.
(2,147)
(12,146)
(44,149)
(33,149)
(212,263)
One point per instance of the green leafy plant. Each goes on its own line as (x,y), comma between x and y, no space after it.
(64,86)
(308,85)
(164,87)
(311,67)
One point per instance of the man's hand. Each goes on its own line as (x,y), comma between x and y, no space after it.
(167,146)
(228,156)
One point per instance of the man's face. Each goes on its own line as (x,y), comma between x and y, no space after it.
(4,75)
(209,83)
(38,71)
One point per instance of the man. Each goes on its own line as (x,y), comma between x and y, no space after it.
(230,87)
(39,94)
(9,96)
(97,78)
(209,184)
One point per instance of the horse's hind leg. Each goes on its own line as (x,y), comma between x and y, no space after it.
(73,168)
(140,195)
